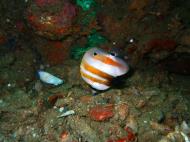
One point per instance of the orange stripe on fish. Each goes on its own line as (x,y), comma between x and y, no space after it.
(98,68)
(107,60)
(96,71)
(105,82)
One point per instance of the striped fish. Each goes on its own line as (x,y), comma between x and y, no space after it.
(98,68)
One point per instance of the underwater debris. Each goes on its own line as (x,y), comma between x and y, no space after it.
(132,124)
(53,98)
(49,78)
(131,137)
(160,127)
(180,134)
(122,111)
(67,113)
(175,137)
(184,127)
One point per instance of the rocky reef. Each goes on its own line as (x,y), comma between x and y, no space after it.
(151,103)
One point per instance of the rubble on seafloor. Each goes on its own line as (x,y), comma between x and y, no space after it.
(151,112)
(151,105)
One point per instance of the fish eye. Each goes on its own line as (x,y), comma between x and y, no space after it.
(113,54)
(95,53)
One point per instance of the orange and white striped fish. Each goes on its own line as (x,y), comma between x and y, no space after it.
(98,68)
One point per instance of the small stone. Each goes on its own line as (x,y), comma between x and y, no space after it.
(122,111)
(53,99)
(158,116)
(86,99)
(64,136)
(61,109)
(185,40)
(141,104)
(132,123)
(150,136)
(38,86)
(164,129)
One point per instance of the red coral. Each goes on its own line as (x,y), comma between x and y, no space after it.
(101,113)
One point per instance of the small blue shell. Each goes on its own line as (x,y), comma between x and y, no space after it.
(49,78)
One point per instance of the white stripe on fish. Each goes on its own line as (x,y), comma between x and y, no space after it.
(98,68)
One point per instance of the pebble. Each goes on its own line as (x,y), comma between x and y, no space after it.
(121,111)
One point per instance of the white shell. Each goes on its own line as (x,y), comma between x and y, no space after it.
(185,128)
(49,78)
(67,113)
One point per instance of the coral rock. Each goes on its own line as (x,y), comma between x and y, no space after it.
(121,111)
(138,7)
(46,2)
(86,99)
(55,52)
(52,99)
(160,127)
(160,44)
(52,24)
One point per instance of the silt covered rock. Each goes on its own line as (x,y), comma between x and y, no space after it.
(53,20)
